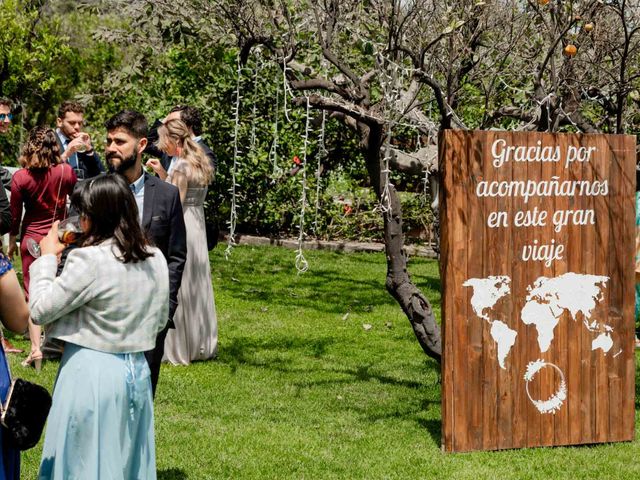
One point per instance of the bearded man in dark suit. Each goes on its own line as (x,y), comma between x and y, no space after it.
(159,209)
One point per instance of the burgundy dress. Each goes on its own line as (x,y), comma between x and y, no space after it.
(39,190)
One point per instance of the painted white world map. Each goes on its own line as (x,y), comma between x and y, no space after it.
(486,293)
(548,298)
(546,301)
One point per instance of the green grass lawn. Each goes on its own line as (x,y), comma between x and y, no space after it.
(302,390)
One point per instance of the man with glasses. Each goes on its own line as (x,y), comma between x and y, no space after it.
(75,144)
(5,115)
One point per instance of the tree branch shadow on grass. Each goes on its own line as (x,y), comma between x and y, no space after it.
(243,351)
(172,474)
(322,292)
(434,427)
(337,285)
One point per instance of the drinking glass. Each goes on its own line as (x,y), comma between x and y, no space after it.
(33,247)
(84,145)
(69,231)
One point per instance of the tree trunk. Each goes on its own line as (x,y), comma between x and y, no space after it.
(413,302)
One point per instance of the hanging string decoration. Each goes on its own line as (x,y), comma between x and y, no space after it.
(322,154)
(231,242)
(286,88)
(301,263)
(276,171)
(392,88)
(256,73)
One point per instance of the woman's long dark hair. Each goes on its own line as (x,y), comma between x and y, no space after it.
(107,201)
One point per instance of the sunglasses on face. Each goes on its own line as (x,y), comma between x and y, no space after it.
(5,116)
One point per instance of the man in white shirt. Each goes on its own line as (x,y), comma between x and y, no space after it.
(75,144)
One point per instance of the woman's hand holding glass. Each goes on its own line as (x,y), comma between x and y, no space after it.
(61,234)
(51,244)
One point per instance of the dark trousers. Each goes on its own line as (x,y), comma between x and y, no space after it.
(154,358)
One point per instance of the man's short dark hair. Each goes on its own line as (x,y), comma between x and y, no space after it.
(6,102)
(133,122)
(70,106)
(191,118)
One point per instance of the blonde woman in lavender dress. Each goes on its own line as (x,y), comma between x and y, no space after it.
(195,336)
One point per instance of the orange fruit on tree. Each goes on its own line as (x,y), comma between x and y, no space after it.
(543,2)
(570,50)
(588,27)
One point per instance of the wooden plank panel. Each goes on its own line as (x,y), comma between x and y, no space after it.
(476,257)
(550,377)
(628,328)
(532,271)
(446,224)
(486,406)
(519,282)
(575,255)
(508,424)
(588,371)
(560,346)
(454,253)
(490,266)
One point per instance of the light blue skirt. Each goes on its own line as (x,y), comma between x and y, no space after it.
(101,421)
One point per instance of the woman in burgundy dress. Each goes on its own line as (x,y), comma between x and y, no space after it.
(42,186)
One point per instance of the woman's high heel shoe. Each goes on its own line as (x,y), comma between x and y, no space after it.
(34,360)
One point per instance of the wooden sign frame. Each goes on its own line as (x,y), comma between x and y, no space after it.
(537,308)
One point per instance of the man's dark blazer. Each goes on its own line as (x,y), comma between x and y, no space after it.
(5,212)
(90,164)
(163,220)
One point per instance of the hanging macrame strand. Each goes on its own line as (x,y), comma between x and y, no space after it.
(391,87)
(301,263)
(385,198)
(276,171)
(322,154)
(286,89)
(254,108)
(234,171)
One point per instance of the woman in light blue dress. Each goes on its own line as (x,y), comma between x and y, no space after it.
(108,305)
(15,316)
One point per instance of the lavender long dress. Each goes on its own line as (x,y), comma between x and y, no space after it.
(196,334)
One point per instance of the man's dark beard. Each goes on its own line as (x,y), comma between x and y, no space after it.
(125,163)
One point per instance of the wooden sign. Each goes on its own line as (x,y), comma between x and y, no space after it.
(537,264)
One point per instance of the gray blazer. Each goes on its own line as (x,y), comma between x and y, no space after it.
(98,301)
